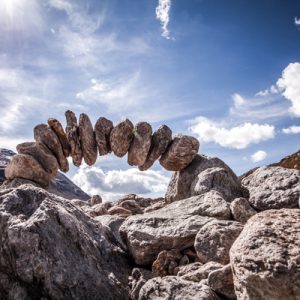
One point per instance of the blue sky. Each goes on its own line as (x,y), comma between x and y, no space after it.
(227,72)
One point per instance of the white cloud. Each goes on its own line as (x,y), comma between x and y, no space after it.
(297,21)
(115,183)
(238,137)
(163,15)
(291,130)
(258,156)
(238,100)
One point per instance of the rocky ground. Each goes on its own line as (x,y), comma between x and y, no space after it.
(213,236)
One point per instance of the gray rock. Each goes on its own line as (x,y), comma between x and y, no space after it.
(198,178)
(50,249)
(180,153)
(221,281)
(103,128)
(131,205)
(198,271)
(72,133)
(45,135)
(59,131)
(138,278)
(214,240)
(273,188)
(96,199)
(241,210)
(121,137)
(265,258)
(173,226)
(175,288)
(140,144)
(160,141)
(42,155)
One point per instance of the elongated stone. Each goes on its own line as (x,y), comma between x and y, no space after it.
(180,153)
(161,139)
(121,137)
(88,140)
(73,138)
(42,154)
(45,135)
(59,130)
(26,167)
(140,144)
(103,128)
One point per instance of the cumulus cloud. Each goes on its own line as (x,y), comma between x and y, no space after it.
(291,130)
(115,183)
(238,137)
(258,156)
(163,15)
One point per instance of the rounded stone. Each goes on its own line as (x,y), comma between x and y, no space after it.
(160,141)
(140,144)
(121,137)
(72,132)
(180,153)
(103,128)
(88,140)
(45,135)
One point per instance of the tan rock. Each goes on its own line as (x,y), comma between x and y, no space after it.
(59,130)
(121,137)
(140,144)
(121,211)
(96,199)
(87,139)
(241,210)
(72,132)
(103,128)
(45,135)
(180,153)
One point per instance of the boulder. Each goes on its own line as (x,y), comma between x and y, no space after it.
(180,153)
(273,188)
(121,211)
(87,139)
(265,257)
(137,279)
(132,206)
(43,134)
(214,240)
(203,174)
(96,199)
(173,226)
(121,137)
(103,128)
(221,282)
(50,249)
(140,144)
(42,155)
(175,288)
(26,167)
(72,132)
(56,126)
(160,141)
(241,210)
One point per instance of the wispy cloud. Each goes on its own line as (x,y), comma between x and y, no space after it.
(258,156)
(291,130)
(163,15)
(297,21)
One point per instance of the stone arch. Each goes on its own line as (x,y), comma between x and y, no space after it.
(40,160)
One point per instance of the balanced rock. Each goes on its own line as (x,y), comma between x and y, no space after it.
(140,144)
(265,257)
(72,132)
(173,226)
(175,288)
(121,137)
(221,282)
(103,128)
(160,141)
(87,139)
(27,167)
(203,174)
(214,240)
(42,155)
(241,210)
(180,153)
(45,135)
(59,130)
(273,188)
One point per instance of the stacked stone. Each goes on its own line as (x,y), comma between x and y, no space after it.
(39,161)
